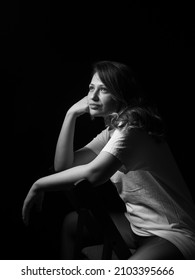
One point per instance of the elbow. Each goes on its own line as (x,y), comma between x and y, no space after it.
(95,179)
(58,168)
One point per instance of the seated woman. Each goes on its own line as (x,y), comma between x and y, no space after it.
(159,222)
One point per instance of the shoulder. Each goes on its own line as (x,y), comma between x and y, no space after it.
(135,140)
(123,140)
(129,134)
(99,141)
(134,148)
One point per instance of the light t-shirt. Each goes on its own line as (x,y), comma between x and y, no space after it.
(149,182)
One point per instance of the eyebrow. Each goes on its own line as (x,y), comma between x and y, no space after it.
(101,85)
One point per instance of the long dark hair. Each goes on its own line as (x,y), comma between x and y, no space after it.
(134,109)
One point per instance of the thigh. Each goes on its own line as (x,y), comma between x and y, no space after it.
(124,227)
(156,248)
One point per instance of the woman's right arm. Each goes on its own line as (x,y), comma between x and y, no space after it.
(64,155)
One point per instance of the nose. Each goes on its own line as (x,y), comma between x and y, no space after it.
(95,95)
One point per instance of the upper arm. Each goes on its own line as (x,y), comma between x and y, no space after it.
(91,150)
(102,168)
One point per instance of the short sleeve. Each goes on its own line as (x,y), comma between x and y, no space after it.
(124,146)
(98,143)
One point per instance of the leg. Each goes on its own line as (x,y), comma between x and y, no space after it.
(156,248)
(68,236)
(124,227)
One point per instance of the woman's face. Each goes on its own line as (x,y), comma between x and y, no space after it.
(101,102)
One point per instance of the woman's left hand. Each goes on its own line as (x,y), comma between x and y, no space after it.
(33,198)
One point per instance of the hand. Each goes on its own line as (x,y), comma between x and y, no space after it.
(81,107)
(33,198)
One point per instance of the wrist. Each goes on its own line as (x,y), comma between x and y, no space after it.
(72,114)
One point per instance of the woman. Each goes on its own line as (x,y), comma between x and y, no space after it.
(132,152)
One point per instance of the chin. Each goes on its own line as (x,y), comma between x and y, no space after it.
(94,114)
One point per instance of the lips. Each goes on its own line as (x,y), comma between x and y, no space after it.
(94,106)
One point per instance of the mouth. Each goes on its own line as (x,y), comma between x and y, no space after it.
(94,106)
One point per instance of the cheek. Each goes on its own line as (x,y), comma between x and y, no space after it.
(111,105)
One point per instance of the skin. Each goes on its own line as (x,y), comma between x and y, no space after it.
(73,166)
(82,164)
(100,100)
(98,103)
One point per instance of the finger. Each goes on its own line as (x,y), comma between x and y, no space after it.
(25,214)
(87,108)
(25,219)
(38,205)
(39,202)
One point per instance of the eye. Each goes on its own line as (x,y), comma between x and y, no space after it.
(91,88)
(104,90)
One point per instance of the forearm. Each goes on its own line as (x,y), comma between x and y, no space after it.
(96,172)
(62,180)
(64,154)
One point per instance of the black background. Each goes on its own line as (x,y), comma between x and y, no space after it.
(47,56)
